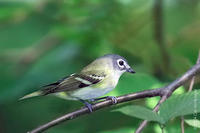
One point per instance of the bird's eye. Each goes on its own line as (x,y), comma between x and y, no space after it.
(121,63)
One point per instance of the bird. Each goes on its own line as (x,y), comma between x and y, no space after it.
(93,81)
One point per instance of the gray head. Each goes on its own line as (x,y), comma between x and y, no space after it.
(119,63)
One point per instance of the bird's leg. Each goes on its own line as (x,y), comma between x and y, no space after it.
(112,98)
(94,100)
(88,105)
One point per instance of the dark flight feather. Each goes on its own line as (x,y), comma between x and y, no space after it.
(73,82)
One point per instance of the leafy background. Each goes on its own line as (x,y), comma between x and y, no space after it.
(42,41)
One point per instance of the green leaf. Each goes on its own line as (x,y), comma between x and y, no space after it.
(193,122)
(140,112)
(180,105)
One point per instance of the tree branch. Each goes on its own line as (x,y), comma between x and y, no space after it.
(167,92)
(164,97)
(164,93)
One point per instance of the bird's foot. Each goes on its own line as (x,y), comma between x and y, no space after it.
(88,105)
(112,98)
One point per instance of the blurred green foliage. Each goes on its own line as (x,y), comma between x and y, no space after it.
(42,41)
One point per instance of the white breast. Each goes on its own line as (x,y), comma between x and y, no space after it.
(89,93)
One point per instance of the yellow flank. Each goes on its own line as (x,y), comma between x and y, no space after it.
(62,95)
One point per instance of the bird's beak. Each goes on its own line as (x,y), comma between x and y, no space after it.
(130,70)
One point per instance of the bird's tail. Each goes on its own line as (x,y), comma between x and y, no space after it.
(47,89)
(34,94)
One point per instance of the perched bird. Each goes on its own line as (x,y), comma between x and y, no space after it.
(94,80)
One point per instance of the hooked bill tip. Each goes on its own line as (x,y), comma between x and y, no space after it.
(130,70)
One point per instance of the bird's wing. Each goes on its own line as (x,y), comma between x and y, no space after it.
(73,82)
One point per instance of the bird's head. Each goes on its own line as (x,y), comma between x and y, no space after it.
(110,63)
(119,63)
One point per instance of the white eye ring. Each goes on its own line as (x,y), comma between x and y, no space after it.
(120,63)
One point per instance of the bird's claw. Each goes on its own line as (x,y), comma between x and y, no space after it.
(89,106)
(112,98)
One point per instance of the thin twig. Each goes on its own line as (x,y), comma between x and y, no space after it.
(182,125)
(156,108)
(162,129)
(162,92)
(193,78)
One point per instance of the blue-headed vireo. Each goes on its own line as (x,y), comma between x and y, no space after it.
(94,81)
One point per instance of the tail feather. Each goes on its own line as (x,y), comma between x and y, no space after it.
(44,91)
(34,94)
